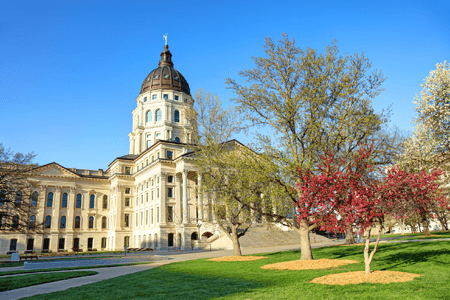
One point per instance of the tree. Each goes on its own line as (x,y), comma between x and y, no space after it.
(433,108)
(224,165)
(18,201)
(308,104)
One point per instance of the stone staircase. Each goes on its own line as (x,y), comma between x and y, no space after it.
(261,235)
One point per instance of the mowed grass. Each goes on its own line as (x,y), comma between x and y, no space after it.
(20,263)
(17,282)
(418,234)
(203,279)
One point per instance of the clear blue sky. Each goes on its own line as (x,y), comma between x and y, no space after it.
(70,71)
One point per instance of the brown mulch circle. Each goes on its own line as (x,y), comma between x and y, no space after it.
(310,264)
(237,258)
(361,277)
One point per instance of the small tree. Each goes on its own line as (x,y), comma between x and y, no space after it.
(18,200)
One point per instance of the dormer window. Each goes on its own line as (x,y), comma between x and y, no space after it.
(176,97)
(176,78)
(156,77)
(166,76)
(154,97)
(166,96)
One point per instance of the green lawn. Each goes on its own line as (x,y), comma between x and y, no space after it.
(17,282)
(202,279)
(20,263)
(443,233)
(70,268)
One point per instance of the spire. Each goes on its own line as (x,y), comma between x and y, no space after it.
(166,56)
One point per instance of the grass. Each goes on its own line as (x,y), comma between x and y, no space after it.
(20,263)
(203,279)
(17,282)
(443,233)
(69,268)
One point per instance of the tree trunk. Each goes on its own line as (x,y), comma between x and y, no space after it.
(235,240)
(368,258)
(426,229)
(305,243)
(402,227)
(349,238)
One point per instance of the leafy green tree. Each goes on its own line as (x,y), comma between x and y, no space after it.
(304,104)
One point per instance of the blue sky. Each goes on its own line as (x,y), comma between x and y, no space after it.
(70,71)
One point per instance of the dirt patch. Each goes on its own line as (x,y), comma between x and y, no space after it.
(361,277)
(237,258)
(311,264)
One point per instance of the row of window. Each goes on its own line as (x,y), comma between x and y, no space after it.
(165,97)
(78,201)
(158,116)
(18,198)
(62,224)
(61,244)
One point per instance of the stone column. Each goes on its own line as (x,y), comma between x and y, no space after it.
(200,196)
(178,218)
(120,207)
(84,211)
(70,209)
(185,198)
(40,218)
(55,210)
(162,199)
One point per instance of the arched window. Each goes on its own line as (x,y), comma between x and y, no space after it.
(78,204)
(104,222)
(149,116)
(176,116)
(64,200)
(91,222)
(32,223)
(62,225)
(34,199)
(48,221)
(158,115)
(177,139)
(77,222)
(19,198)
(105,202)
(50,199)
(92,201)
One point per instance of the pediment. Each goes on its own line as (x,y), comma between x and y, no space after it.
(55,170)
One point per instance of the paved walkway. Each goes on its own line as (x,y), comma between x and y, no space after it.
(107,273)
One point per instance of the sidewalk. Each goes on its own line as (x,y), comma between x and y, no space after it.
(107,273)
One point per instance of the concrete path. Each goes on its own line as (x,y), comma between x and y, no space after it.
(107,273)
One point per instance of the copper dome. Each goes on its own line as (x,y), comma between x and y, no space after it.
(165,76)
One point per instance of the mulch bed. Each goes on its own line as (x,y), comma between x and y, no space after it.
(361,277)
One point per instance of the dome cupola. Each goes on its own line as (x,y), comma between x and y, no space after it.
(165,76)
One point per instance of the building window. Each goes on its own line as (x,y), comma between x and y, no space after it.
(13,245)
(46,245)
(30,244)
(170,192)
(127,220)
(169,213)
(169,154)
(142,199)
(152,195)
(137,219)
(145,99)
(146,197)
(165,96)
(61,244)
(154,97)
(151,216)
(62,224)
(157,193)
(78,204)
(15,222)
(127,190)
(157,214)
(104,222)
(177,97)
(76,243)
(91,222)
(142,217)
(126,241)
(105,202)
(18,198)
(92,201)
(157,156)
(48,221)
(137,200)
(90,243)
(32,222)
(103,242)
(177,140)
(149,143)
(50,199)
(170,240)
(176,116)
(149,116)
(34,199)
(2,197)
(146,217)
(77,222)
(170,179)
(64,200)
(127,201)
(158,115)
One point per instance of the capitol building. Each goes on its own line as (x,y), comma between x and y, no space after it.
(149,198)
